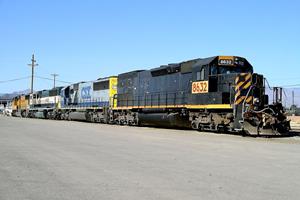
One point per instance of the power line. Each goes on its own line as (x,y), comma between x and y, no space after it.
(295,85)
(16,79)
(50,79)
(268,83)
(285,78)
(27,77)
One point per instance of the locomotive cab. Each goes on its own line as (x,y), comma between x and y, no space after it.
(227,94)
(213,79)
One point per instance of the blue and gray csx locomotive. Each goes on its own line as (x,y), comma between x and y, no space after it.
(218,93)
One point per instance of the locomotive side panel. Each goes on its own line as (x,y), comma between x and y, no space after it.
(128,86)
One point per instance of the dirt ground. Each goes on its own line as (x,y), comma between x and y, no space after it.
(295,123)
(295,119)
(66,160)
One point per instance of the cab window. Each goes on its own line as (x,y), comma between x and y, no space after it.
(213,70)
(201,74)
(232,70)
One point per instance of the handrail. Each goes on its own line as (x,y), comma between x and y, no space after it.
(153,99)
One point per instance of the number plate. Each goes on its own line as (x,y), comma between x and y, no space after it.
(200,87)
(226,60)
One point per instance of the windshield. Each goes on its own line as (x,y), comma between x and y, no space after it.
(231,70)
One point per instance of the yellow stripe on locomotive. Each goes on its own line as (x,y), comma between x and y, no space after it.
(113,88)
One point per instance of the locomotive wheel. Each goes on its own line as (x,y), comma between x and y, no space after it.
(68,117)
(259,128)
(194,125)
(200,128)
(222,129)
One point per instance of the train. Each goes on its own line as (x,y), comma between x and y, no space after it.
(215,94)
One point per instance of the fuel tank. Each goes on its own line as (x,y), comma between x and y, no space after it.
(80,116)
(164,120)
(39,114)
(16,114)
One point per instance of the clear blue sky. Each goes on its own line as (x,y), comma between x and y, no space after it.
(85,40)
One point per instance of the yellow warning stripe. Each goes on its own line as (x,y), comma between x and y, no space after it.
(248,77)
(243,84)
(237,94)
(249,99)
(238,101)
(247,85)
(237,87)
(237,79)
(208,106)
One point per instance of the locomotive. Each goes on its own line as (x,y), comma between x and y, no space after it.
(88,101)
(20,105)
(220,93)
(41,104)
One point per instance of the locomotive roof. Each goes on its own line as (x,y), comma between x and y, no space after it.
(131,73)
(87,82)
(106,78)
(56,88)
(175,67)
(205,61)
(187,65)
(197,61)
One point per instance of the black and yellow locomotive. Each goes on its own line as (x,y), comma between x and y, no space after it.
(219,93)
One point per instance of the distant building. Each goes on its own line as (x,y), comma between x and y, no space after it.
(294,110)
(4,101)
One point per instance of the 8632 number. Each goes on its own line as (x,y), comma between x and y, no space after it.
(200,87)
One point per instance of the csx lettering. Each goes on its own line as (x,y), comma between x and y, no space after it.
(200,87)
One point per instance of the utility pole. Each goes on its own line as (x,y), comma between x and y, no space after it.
(293,98)
(32,65)
(54,79)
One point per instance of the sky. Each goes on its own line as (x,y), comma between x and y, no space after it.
(86,40)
